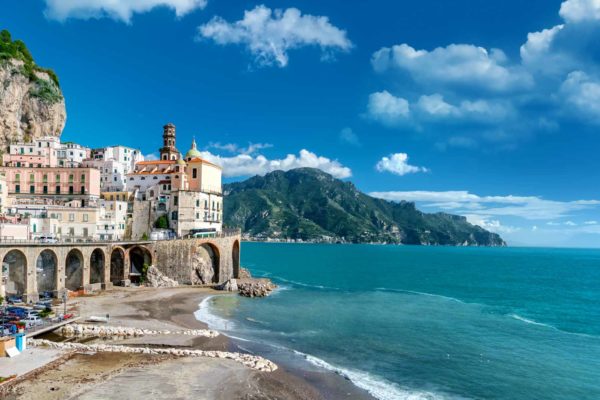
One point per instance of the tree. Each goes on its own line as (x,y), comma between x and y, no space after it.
(162,222)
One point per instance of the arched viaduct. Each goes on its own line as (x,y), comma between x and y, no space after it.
(31,269)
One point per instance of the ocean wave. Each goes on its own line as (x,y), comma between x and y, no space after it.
(307,285)
(376,386)
(383,289)
(532,322)
(213,321)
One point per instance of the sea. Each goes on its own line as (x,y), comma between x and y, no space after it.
(404,322)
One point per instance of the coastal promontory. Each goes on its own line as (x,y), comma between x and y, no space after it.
(308,204)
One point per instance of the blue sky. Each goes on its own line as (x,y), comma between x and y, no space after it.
(485,109)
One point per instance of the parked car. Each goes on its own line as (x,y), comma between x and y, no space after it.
(33,320)
(47,239)
(15,299)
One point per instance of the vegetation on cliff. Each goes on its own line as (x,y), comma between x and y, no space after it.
(17,50)
(311,205)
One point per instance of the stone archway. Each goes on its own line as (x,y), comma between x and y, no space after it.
(74,270)
(97,262)
(117,266)
(15,264)
(235,258)
(139,257)
(46,272)
(206,264)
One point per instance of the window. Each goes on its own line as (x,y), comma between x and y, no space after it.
(71,190)
(197,215)
(83,190)
(197,203)
(32,189)
(82,177)
(175,200)
(85,218)
(31,178)
(85,232)
(45,178)
(57,189)
(17,176)
(71,231)
(71,178)
(17,188)
(57,177)
(194,173)
(174,216)
(45,189)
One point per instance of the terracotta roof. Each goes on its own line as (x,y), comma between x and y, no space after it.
(202,160)
(157,162)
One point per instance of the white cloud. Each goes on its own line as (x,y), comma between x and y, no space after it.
(117,9)
(582,93)
(398,164)
(535,52)
(387,108)
(434,106)
(151,157)
(457,64)
(235,148)
(247,165)
(570,223)
(580,10)
(492,225)
(465,203)
(347,135)
(270,34)
(590,223)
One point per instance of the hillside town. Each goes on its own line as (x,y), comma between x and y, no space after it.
(53,191)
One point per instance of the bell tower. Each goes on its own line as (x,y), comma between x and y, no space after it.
(169,151)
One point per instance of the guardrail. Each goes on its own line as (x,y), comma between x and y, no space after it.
(225,233)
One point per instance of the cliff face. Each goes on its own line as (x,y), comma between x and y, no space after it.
(28,109)
(31,102)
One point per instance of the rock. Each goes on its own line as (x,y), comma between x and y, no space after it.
(155,278)
(229,286)
(244,273)
(29,108)
(254,362)
(256,288)
(202,269)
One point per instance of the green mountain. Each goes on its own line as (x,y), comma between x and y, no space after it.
(311,205)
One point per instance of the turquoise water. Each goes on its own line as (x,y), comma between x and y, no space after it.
(430,323)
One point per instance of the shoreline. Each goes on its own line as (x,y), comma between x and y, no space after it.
(169,309)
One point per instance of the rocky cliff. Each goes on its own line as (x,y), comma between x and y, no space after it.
(31,102)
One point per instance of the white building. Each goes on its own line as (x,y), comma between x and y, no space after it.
(114,163)
(71,154)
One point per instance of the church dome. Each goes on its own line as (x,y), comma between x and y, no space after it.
(180,161)
(193,152)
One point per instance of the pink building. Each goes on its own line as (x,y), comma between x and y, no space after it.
(56,183)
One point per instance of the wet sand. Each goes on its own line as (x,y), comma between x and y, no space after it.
(108,375)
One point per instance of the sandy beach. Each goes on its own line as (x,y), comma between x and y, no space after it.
(104,375)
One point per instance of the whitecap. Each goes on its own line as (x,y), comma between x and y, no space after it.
(203,314)
(383,289)
(376,386)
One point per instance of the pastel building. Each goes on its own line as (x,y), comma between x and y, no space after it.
(187,190)
(55,184)
(41,152)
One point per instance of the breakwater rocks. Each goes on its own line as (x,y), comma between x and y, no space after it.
(112,331)
(256,288)
(254,362)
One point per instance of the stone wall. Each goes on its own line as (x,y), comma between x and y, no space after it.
(142,217)
(197,261)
